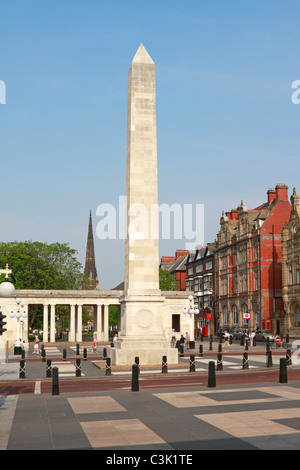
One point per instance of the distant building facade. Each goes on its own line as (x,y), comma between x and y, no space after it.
(290,314)
(248,265)
(200,280)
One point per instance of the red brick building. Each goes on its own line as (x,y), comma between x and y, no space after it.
(248,266)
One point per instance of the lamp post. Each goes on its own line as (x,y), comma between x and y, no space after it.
(191,311)
(20,324)
(7,289)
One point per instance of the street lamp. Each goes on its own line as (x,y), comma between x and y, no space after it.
(191,311)
(7,289)
(20,324)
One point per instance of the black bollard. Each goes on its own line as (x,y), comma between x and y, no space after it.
(48,369)
(219,361)
(201,337)
(43,354)
(55,385)
(108,366)
(104,353)
(201,350)
(219,347)
(77,349)
(283,371)
(181,352)
(22,369)
(210,344)
(135,378)
(85,354)
(78,368)
(137,362)
(245,361)
(112,344)
(164,367)
(211,374)
(23,354)
(288,357)
(287,338)
(192,363)
(192,344)
(254,341)
(230,339)
(269,359)
(64,354)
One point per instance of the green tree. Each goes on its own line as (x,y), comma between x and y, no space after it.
(39,265)
(166,280)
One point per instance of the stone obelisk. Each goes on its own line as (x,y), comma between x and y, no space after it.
(142,305)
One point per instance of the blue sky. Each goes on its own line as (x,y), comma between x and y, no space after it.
(226,126)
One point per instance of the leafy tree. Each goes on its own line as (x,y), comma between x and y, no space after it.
(39,265)
(166,280)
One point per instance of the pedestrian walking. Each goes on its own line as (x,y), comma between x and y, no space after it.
(226,339)
(36,346)
(187,340)
(252,335)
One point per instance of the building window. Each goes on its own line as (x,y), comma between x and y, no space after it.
(199,267)
(291,274)
(297,316)
(208,265)
(225,316)
(235,316)
(255,280)
(297,274)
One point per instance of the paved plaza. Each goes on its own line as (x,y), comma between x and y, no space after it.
(252,416)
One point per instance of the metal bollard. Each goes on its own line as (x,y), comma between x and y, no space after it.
(78,368)
(219,361)
(55,385)
(288,357)
(48,369)
(77,349)
(22,369)
(245,361)
(64,354)
(43,354)
(137,362)
(164,368)
(219,347)
(211,374)
(108,366)
(192,363)
(181,353)
(135,378)
(269,359)
(201,350)
(85,354)
(210,344)
(104,353)
(283,371)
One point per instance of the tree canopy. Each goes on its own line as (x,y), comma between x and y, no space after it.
(39,265)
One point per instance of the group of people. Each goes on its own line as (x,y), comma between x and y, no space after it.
(247,338)
(184,340)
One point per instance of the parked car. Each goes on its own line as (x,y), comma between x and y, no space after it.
(220,332)
(262,335)
(238,334)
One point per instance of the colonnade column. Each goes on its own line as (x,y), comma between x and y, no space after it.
(99,322)
(106,323)
(45,324)
(52,323)
(72,324)
(79,324)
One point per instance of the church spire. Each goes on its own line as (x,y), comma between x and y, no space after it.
(90,271)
